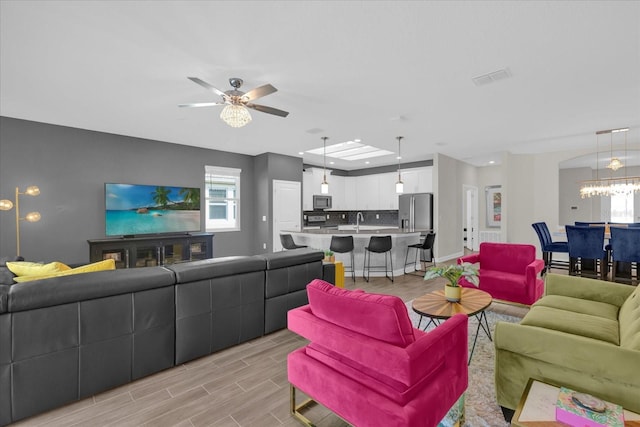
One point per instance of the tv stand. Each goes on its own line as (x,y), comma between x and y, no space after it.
(132,251)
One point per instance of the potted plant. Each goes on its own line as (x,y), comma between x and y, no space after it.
(328,256)
(453,273)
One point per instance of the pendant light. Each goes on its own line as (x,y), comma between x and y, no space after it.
(399,184)
(324,186)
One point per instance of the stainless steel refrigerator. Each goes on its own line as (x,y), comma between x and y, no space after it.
(415,211)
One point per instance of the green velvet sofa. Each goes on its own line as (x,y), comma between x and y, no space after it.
(583,334)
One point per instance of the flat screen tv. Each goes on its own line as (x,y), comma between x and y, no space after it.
(132,209)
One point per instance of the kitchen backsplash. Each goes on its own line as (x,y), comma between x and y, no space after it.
(335,218)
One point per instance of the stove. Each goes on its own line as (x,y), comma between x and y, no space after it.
(316,219)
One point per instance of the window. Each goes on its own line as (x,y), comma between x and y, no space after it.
(622,207)
(222,191)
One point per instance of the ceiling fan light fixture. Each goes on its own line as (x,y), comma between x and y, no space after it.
(235,115)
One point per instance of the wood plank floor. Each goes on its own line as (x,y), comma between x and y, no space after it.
(245,385)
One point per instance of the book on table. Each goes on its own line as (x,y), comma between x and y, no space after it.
(582,410)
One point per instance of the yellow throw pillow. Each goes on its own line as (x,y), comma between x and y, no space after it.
(107,264)
(26,268)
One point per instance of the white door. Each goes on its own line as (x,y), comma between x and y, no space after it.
(287,209)
(471,221)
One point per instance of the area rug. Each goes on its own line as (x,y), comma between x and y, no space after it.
(481,408)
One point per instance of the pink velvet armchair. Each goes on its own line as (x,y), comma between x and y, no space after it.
(367,364)
(508,271)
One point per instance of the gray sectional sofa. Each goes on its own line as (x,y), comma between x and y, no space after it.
(67,338)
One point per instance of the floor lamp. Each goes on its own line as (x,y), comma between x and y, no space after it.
(6,205)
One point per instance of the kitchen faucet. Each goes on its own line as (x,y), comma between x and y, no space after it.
(358,217)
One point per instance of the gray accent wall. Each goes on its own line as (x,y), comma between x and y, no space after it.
(71,167)
(270,166)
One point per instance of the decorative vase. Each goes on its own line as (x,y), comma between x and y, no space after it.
(452,293)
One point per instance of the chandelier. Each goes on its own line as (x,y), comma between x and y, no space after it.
(235,115)
(622,185)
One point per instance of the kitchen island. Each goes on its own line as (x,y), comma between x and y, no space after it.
(400,238)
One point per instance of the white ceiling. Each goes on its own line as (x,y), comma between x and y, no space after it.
(370,70)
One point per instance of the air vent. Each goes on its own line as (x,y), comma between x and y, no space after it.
(494,76)
(314,131)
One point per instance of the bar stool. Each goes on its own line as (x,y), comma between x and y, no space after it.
(288,243)
(427,244)
(343,245)
(379,245)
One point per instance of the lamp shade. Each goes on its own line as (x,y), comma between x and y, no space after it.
(6,205)
(32,190)
(399,187)
(235,115)
(324,187)
(33,217)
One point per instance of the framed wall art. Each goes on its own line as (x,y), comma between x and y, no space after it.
(494,205)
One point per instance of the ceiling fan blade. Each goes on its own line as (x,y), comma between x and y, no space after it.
(269,110)
(208,86)
(201,104)
(259,92)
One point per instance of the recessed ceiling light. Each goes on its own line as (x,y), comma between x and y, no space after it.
(491,162)
(331,163)
(301,152)
(357,140)
(366,163)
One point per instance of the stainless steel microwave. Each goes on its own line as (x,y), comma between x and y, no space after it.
(321,202)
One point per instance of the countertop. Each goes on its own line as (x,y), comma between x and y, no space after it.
(391,231)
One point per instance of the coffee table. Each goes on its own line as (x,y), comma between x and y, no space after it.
(537,407)
(473,302)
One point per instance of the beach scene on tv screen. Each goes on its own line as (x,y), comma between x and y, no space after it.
(149,209)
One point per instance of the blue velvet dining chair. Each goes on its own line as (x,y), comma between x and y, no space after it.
(548,247)
(625,254)
(587,256)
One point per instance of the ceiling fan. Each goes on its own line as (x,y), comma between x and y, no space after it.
(236,102)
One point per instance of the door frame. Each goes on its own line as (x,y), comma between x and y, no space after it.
(276,183)
(471,220)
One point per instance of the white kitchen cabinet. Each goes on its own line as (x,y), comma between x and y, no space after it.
(337,192)
(366,192)
(425,180)
(312,178)
(418,180)
(307,189)
(350,193)
(368,195)
(411,181)
(387,196)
